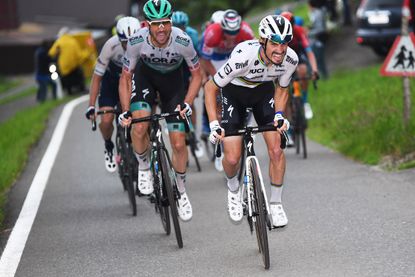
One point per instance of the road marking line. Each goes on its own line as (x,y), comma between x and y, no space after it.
(13,251)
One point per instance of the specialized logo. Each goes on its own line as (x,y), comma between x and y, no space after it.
(272,102)
(133,84)
(158,134)
(239,51)
(133,95)
(145,92)
(227,69)
(136,40)
(241,65)
(230,110)
(225,100)
(249,145)
(183,41)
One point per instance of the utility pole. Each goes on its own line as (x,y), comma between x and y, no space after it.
(406,84)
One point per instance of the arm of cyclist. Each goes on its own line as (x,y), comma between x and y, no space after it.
(280,100)
(124,90)
(192,92)
(93,94)
(313,63)
(211,89)
(208,66)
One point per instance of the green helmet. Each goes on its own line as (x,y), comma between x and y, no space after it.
(157,9)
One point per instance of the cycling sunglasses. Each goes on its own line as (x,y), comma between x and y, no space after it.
(277,39)
(160,23)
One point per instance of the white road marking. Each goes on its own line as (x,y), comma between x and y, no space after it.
(13,251)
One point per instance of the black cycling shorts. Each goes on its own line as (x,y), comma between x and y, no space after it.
(236,99)
(170,87)
(108,93)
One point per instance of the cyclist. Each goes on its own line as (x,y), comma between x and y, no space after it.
(218,41)
(104,82)
(257,75)
(181,20)
(156,54)
(301,45)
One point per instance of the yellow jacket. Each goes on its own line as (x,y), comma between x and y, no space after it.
(69,52)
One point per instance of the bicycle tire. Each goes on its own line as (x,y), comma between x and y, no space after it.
(303,139)
(168,183)
(261,214)
(130,179)
(191,141)
(121,169)
(161,205)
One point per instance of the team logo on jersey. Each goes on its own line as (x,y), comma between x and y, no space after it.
(145,92)
(256,70)
(291,60)
(227,69)
(241,65)
(183,41)
(239,51)
(230,110)
(220,75)
(157,60)
(136,40)
(195,59)
(256,62)
(100,62)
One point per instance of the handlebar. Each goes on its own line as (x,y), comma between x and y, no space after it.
(94,122)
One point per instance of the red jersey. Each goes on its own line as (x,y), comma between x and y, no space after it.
(300,41)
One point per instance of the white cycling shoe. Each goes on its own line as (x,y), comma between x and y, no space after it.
(308,112)
(279,218)
(184,208)
(218,163)
(199,149)
(145,182)
(110,164)
(235,209)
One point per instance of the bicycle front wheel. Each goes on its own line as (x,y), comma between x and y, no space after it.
(260,213)
(161,201)
(129,177)
(169,184)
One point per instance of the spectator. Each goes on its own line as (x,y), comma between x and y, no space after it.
(42,74)
(318,35)
(70,57)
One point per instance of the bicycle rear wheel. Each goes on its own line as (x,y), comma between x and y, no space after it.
(169,187)
(191,141)
(260,213)
(161,201)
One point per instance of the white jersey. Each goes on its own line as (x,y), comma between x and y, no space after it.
(246,68)
(169,58)
(111,57)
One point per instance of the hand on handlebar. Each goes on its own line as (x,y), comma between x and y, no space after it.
(125,118)
(281,123)
(90,113)
(217,133)
(185,110)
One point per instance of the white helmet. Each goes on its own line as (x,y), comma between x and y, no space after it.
(231,22)
(217,16)
(127,27)
(276,28)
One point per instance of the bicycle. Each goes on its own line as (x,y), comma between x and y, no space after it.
(165,192)
(126,160)
(255,201)
(299,121)
(192,143)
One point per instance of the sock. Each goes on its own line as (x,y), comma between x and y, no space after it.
(181,181)
(143,160)
(109,145)
(276,193)
(233,183)
(304,93)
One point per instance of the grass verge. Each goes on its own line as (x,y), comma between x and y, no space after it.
(6,84)
(14,97)
(23,131)
(359,113)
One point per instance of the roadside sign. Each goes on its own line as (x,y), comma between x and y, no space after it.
(401,58)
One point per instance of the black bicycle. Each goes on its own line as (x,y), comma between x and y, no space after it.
(299,121)
(255,202)
(126,160)
(165,193)
(191,141)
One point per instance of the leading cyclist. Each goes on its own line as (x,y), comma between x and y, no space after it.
(257,75)
(105,82)
(153,64)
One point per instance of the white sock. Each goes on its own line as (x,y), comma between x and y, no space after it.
(276,193)
(143,160)
(233,183)
(181,181)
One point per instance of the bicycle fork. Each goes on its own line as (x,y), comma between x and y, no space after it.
(248,185)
